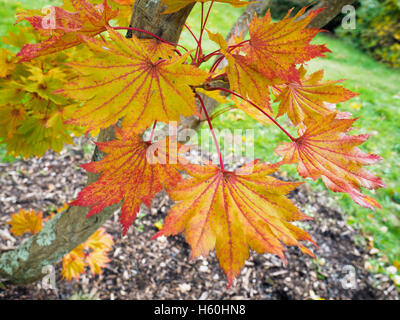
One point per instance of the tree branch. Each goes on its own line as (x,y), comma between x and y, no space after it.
(333,8)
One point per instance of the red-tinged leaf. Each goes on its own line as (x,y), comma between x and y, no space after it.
(158,49)
(50,20)
(90,21)
(235,212)
(100,241)
(243,77)
(133,171)
(125,2)
(324,150)
(127,81)
(275,48)
(176,5)
(310,97)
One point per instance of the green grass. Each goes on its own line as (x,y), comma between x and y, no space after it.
(379,87)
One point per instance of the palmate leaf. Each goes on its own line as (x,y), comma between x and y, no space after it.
(64,21)
(26,221)
(73,265)
(275,48)
(133,171)
(307,99)
(37,132)
(245,79)
(235,212)
(93,253)
(324,150)
(128,81)
(176,5)
(90,21)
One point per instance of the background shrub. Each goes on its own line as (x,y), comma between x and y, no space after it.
(378,30)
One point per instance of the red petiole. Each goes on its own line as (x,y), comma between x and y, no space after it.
(152,131)
(212,131)
(257,107)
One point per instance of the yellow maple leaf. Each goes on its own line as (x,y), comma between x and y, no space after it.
(96,260)
(26,221)
(73,265)
(127,81)
(235,212)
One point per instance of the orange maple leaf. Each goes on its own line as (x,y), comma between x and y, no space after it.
(96,260)
(133,171)
(158,49)
(26,221)
(73,265)
(125,2)
(92,253)
(41,20)
(127,81)
(309,97)
(176,5)
(275,48)
(324,150)
(88,20)
(235,212)
(245,79)
(100,241)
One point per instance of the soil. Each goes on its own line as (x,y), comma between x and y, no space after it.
(161,269)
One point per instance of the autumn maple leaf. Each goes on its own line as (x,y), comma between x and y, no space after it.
(308,98)
(125,2)
(26,221)
(133,171)
(128,81)
(275,48)
(324,150)
(63,20)
(88,20)
(235,212)
(97,260)
(243,77)
(99,243)
(176,5)
(73,265)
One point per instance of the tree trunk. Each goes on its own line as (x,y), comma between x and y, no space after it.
(70,228)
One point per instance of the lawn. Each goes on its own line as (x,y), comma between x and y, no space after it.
(378,107)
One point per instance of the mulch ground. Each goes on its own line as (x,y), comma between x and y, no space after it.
(161,269)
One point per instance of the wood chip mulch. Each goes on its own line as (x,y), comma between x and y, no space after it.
(161,269)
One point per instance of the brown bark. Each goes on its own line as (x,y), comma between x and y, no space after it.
(71,228)
(332,9)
